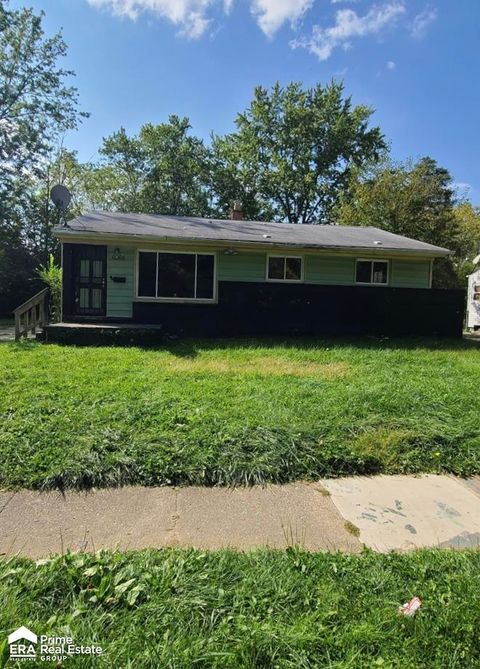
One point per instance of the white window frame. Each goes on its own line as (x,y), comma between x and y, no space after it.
(285,255)
(372,283)
(197,300)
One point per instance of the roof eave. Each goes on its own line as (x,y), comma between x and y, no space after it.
(65,233)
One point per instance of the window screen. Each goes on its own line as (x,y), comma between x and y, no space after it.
(370,271)
(293,269)
(284,268)
(379,272)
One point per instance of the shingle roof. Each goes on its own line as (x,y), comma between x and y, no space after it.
(183,228)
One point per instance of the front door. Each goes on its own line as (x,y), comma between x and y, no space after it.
(90,274)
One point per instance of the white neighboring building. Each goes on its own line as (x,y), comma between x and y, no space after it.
(473,297)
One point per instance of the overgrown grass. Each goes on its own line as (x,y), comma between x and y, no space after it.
(262,610)
(236,412)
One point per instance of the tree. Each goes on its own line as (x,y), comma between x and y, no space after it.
(26,237)
(467,219)
(121,174)
(415,200)
(163,170)
(39,215)
(293,151)
(36,104)
(177,181)
(36,107)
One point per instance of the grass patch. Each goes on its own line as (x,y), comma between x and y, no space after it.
(236,412)
(260,610)
(353,529)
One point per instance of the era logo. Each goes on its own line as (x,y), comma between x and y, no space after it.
(22,651)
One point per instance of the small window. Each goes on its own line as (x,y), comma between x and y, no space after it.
(171,276)
(372,271)
(284,268)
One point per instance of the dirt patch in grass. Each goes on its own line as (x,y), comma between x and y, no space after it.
(268,366)
(353,529)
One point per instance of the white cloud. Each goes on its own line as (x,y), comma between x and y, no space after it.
(272,14)
(189,15)
(421,22)
(462,187)
(391,65)
(348,25)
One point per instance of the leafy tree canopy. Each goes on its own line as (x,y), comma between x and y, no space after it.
(36,102)
(37,105)
(163,170)
(293,151)
(412,199)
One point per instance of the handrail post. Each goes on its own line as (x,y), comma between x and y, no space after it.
(17,327)
(31,314)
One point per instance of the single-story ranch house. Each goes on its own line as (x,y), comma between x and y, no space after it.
(198,276)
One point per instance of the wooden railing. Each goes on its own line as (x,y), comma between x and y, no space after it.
(31,315)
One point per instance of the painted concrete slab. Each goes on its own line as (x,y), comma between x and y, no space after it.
(473,483)
(405,512)
(37,524)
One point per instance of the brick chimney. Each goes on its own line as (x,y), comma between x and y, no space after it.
(237,211)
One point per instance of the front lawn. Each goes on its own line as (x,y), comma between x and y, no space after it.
(236,411)
(262,610)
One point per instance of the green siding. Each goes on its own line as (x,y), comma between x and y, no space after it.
(410,274)
(324,269)
(242,267)
(251,267)
(329,269)
(120,295)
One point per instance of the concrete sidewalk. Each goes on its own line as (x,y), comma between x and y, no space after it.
(37,524)
(391,513)
(405,512)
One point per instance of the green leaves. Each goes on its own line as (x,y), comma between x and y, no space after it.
(293,151)
(416,200)
(162,170)
(51,275)
(36,102)
(258,609)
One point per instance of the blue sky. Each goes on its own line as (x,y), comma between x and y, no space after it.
(416,62)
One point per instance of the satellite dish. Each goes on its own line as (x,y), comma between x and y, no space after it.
(60,196)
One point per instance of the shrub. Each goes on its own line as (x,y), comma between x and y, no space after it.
(51,274)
